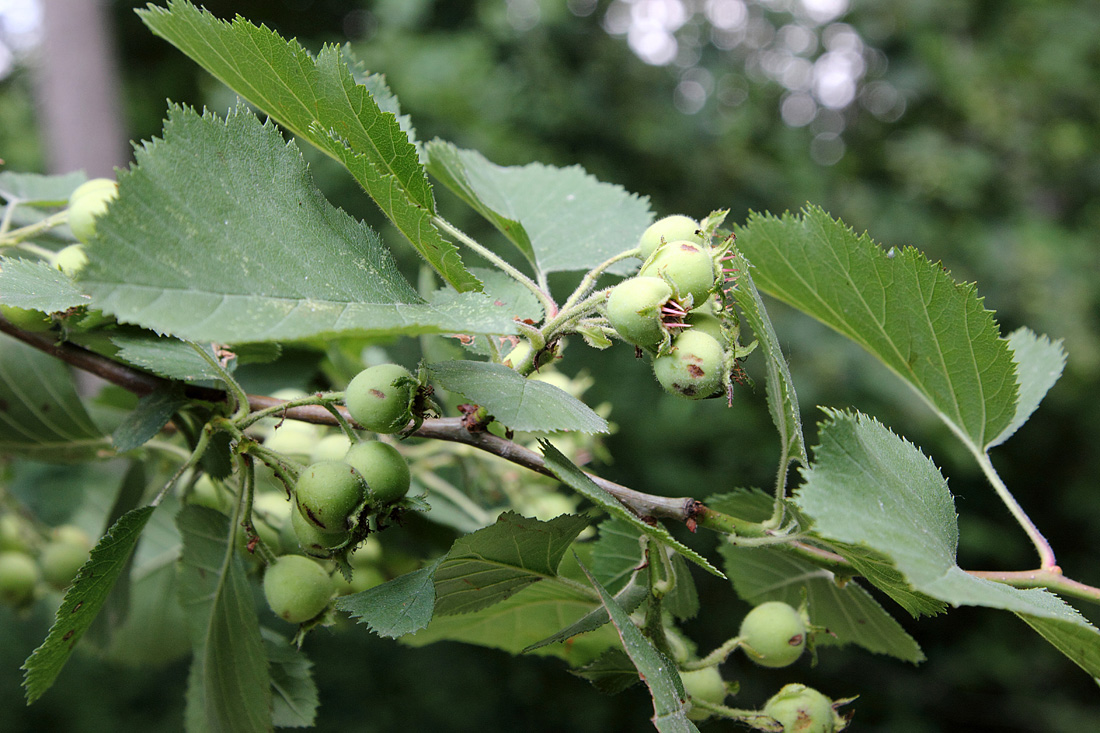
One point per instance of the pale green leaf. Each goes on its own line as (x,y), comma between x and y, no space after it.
(869,488)
(83,600)
(34,189)
(397,607)
(657,671)
(848,611)
(219,234)
(514,400)
(34,284)
(576,479)
(932,332)
(531,205)
(487,566)
(523,619)
(1039,364)
(782,400)
(41,415)
(293,691)
(229,687)
(319,100)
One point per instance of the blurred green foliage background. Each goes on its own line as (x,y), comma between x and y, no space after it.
(972,133)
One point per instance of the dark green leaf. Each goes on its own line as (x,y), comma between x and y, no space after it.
(487,566)
(530,205)
(611,673)
(658,672)
(576,479)
(514,400)
(931,331)
(167,357)
(83,600)
(398,607)
(616,553)
(629,598)
(41,416)
(153,412)
(319,100)
(229,687)
(219,234)
(34,284)
(293,691)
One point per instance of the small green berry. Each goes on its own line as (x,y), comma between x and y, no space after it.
(311,540)
(64,555)
(668,229)
(327,494)
(297,589)
(802,709)
(18,578)
(693,367)
(383,468)
(687,266)
(70,260)
(380,398)
(88,201)
(704,684)
(773,634)
(634,310)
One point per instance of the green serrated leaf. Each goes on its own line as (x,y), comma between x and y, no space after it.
(529,203)
(610,673)
(657,671)
(487,566)
(229,687)
(168,357)
(576,479)
(518,622)
(629,598)
(293,691)
(931,331)
(1039,364)
(782,400)
(34,284)
(319,100)
(869,488)
(82,601)
(516,401)
(219,234)
(41,415)
(397,607)
(616,554)
(152,413)
(848,611)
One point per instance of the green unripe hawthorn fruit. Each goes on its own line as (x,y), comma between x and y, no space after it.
(704,684)
(327,494)
(773,634)
(63,556)
(703,320)
(383,468)
(18,578)
(70,260)
(376,402)
(801,709)
(27,319)
(634,310)
(330,448)
(311,540)
(669,229)
(687,266)
(14,533)
(297,589)
(89,200)
(692,368)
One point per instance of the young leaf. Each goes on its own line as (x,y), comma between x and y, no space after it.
(34,284)
(782,400)
(658,672)
(518,622)
(293,691)
(397,607)
(1039,364)
(229,687)
(869,488)
(575,479)
(82,601)
(491,564)
(41,416)
(529,204)
(219,234)
(931,331)
(319,100)
(516,401)
(848,611)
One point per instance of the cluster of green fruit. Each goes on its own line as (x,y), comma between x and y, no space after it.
(670,309)
(773,634)
(31,561)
